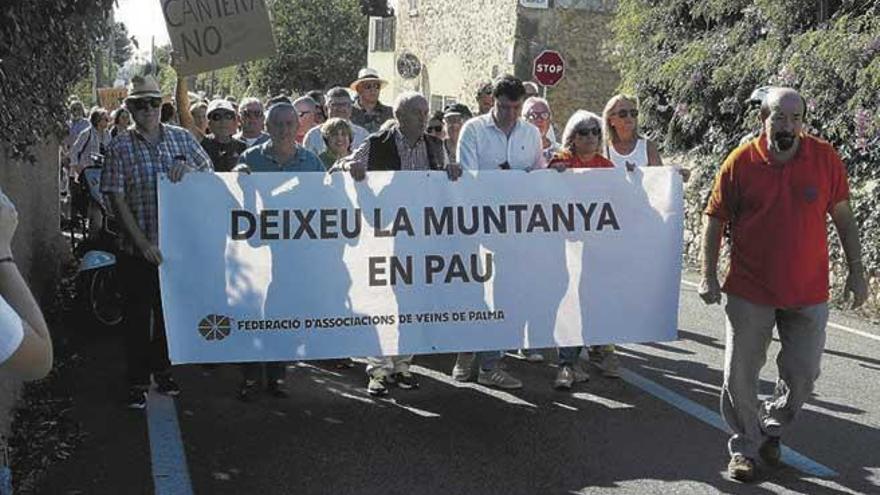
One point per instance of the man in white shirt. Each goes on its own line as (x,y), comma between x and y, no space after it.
(338,105)
(499,139)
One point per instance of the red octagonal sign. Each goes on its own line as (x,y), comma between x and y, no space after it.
(549,68)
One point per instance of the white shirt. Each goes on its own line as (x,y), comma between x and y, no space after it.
(11,331)
(314,142)
(483,146)
(637,157)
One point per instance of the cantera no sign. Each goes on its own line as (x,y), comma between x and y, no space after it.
(446,221)
(180,12)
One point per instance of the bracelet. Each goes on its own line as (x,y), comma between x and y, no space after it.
(8,259)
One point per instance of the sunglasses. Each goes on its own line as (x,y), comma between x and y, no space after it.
(623,113)
(218,116)
(538,116)
(252,113)
(435,128)
(586,131)
(145,103)
(370,85)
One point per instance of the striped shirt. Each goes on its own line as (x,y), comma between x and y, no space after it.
(133,166)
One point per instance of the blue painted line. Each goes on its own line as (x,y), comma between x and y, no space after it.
(170,470)
(792,458)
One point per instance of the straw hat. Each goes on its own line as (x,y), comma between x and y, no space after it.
(368,75)
(143,87)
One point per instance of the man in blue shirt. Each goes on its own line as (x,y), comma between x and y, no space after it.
(280,153)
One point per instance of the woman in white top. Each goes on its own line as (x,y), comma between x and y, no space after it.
(93,140)
(623,144)
(25,343)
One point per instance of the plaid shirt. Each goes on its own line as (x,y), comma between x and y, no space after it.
(411,157)
(133,166)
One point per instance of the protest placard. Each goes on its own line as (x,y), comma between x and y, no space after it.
(283,266)
(111,98)
(212,34)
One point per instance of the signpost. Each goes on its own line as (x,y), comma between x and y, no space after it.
(213,35)
(549,67)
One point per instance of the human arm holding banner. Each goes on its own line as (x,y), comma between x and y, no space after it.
(356,163)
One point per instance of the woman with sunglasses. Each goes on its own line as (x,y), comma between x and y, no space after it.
(581,143)
(624,146)
(536,111)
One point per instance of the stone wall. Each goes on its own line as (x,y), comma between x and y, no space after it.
(38,246)
(577,30)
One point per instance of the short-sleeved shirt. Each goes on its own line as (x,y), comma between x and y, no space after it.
(11,331)
(484,146)
(574,161)
(224,156)
(261,159)
(778,216)
(371,120)
(132,168)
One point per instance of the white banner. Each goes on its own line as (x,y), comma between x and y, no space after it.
(282,266)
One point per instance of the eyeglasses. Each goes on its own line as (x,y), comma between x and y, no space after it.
(538,115)
(623,113)
(586,131)
(435,128)
(142,104)
(252,113)
(217,116)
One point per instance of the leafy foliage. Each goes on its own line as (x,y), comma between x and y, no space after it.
(44,50)
(694,63)
(320,44)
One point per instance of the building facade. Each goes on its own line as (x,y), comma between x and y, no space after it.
(446,48)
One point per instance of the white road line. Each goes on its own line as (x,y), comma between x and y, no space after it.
(789,456)
(838,326)
(170,470)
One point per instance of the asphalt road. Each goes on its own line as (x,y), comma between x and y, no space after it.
(606,436)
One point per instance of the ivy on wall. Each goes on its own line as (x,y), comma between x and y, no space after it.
(45,49)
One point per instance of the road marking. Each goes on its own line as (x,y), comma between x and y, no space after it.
(789,456)
(604,401)
(170,471)
(830,324)
(448,380)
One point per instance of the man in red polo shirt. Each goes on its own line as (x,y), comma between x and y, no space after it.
(775,192)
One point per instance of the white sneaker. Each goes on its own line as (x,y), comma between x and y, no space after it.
(498,378)
(464,371)
(568,375)
(529,355)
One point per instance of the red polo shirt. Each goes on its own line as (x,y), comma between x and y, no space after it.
(778,219)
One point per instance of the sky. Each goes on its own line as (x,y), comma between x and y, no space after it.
(143,18)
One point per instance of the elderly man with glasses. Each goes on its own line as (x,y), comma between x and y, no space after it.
(223,149)
(130,179)
(338,105)
(252,122)
(368,111)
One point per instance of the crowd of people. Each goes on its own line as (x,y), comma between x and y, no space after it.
(349,130)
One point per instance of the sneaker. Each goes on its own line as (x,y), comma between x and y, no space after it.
(498,378)
(529,356)
(564,378)
(741,468)
(165,384)
(771,451)
(249,391)
(377,386)
(608,363)
(464,371)
(405,380)
(137,398)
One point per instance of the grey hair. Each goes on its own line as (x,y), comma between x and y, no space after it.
(338,92)
(405,99)
(247,101)
(579,119)
(307,100)
(531,102)
(280,107)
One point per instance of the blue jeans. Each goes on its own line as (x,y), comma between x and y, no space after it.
(569,355)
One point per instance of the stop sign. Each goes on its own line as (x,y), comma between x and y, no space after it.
(549,68)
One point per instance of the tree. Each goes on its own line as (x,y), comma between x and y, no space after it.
(320,44)
(122,46)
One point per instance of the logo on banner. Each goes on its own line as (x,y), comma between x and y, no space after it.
(215,327)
